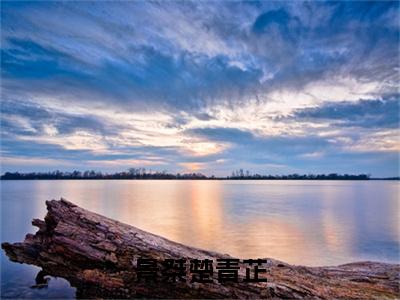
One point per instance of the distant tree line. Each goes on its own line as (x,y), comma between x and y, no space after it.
(132,173)
(142,173)
(241,174)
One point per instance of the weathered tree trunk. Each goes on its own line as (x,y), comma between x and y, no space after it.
(98,256)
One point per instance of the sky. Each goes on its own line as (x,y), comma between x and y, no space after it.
(198,86)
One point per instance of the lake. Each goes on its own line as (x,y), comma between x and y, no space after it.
(300,222)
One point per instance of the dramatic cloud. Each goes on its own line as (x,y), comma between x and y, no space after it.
(274,87)
(378,114)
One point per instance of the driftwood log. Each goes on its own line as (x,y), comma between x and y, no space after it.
(97,256)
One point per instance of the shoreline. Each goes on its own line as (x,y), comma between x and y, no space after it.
(206,179)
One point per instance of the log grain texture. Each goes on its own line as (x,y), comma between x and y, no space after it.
(97,255)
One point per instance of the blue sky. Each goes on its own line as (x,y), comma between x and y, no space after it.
(272,87)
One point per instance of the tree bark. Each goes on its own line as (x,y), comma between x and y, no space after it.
(98,256)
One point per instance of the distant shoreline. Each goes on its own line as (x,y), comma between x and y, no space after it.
(143,174)
(205,179)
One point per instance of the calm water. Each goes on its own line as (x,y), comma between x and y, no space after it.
(300,222)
